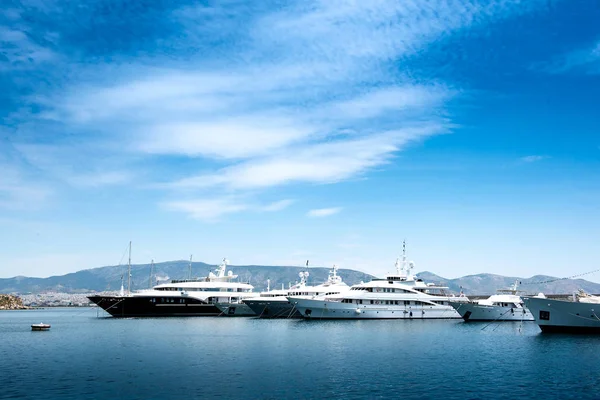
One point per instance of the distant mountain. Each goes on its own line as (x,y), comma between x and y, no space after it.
(482,284)
(109,278)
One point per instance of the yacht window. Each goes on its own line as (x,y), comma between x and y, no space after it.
(406,303)
(545,315)
(371,301)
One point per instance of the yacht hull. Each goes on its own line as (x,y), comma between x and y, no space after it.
(319,309)
(145,306)
(564,316)
(477,312)
(269,308)
(235,310)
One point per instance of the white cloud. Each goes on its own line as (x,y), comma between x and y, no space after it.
(227,138)
(408,98)
(533,158)
(207,209)
(326,162)
(305,93)
(211,210)
(278,205)
(323,212)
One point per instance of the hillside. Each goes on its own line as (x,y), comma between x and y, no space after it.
(109,278)
(482,284)
(8,302)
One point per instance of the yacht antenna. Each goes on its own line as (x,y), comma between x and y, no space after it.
(404,253)
(268,284)
(151,271)
(190,275)
(129,270)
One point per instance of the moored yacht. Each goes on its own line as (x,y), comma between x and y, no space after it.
(275,304)
(186,297)
(582,315)
(506,305)
(398,296)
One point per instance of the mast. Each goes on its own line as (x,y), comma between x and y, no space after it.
(129,270)
(190,274)
(151,270)
(404,253)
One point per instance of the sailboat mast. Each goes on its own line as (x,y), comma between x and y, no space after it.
(129,270)
(151,271)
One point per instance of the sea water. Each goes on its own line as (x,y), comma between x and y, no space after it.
(86,357)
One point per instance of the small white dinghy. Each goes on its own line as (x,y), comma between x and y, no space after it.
(40,327)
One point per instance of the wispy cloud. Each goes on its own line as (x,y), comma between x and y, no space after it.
(207,209)
(585,59)
(326,162)
(17,192)
(278,205)
(533,158)
(19,51)
(78,166)
(323,212)
(306,93)
(212,209)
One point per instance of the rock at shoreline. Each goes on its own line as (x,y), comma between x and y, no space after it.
(10,302)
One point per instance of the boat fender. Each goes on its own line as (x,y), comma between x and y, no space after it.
(410,314)
(358,311)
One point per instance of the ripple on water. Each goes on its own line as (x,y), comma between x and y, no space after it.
(88,357)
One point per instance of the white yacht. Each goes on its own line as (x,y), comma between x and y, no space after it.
(398,296)
(274,303)
(507,305)
(187,297)
(576,316)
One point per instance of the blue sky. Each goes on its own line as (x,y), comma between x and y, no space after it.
(277,132)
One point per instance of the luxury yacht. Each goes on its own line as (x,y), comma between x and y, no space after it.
(504,306)
(577,316)
(398,296)
(188,297)
(274,303)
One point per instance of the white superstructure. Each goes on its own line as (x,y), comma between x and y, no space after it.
(274,303)
(582,315)
(200,296)
(507,305)
(217,287)
(398,296)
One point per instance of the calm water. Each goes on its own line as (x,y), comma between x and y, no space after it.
(243,358)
